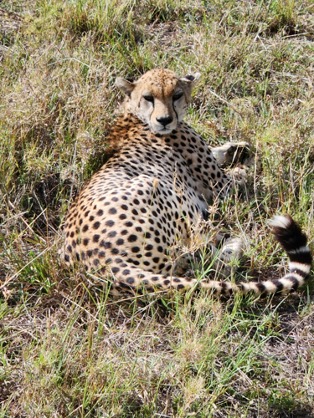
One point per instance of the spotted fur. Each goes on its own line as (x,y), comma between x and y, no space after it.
(128,220)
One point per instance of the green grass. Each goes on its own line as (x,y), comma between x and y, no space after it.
(67,348)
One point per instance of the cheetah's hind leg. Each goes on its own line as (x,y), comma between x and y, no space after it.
(229,256)
(214,260)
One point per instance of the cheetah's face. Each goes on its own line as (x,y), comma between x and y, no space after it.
(159,98)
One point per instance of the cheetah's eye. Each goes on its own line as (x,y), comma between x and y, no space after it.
(149,98)
(177,96)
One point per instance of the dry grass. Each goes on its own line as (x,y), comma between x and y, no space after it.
(66,347)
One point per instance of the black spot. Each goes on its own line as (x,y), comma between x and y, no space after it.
(85,241)
(135,249)
(105,244)
(132,238)
(109,223)
(115,270)
(112,211)
(96,238)
(130,280)
(126,272)
(85,228)
(100,212)
(120,241)
(96,225)
(112,234)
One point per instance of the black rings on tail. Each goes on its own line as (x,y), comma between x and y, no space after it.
(294,242)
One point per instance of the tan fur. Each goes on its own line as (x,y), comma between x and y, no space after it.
(162,85)
(152,192)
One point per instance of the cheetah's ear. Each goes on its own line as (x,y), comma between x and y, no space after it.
(125,85)
(191,78)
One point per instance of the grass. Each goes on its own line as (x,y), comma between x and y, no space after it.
(67,348)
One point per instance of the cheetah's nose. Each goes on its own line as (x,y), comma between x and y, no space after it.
(165,120)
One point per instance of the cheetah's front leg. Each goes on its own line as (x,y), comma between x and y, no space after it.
(232,153)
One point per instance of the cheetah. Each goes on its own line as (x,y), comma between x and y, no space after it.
(156,185)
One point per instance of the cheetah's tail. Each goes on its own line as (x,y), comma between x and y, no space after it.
(131,279)
(288,233)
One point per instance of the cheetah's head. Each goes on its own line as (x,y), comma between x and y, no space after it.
(158,98)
